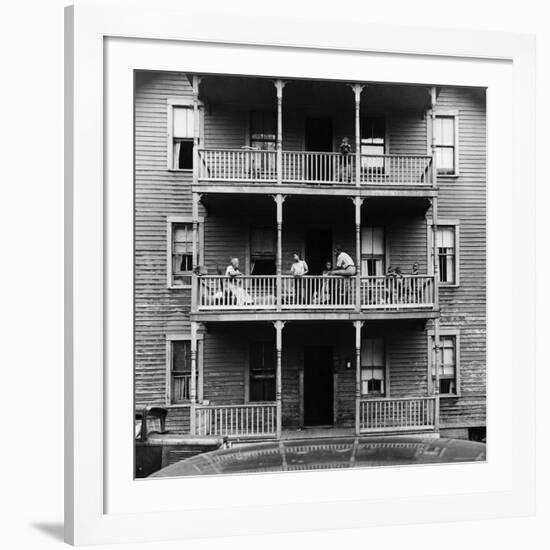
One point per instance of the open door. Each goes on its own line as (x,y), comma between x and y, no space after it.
(318,386)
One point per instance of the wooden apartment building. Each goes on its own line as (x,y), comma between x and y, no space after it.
(251,168)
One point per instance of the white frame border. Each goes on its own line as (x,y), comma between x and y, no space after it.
(86,26)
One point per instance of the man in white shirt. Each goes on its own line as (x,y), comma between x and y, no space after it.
(298,268)
(344,264)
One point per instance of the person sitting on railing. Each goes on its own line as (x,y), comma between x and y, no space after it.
(345,152)
(298,269)
(238,295)
(345,267)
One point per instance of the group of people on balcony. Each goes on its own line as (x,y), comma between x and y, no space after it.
(333,288)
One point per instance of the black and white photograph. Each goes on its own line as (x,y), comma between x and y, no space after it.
(310,274)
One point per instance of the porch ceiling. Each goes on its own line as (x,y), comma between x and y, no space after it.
(313,95)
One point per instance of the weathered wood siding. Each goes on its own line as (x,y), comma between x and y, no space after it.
(160,193)
(464,307)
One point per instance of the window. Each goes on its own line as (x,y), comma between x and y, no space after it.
(446,257)
(178,349)
(373,142)
(447,364)
(182,253)
(182,132)
(445,140)
(447,247)
(373,248)
(262,251)
(180,371)
(262,371)
(263,130)
(373,366)
(180,250)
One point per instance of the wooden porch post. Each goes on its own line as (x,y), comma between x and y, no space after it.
(195,249)
(279,200)
(434,201)
(437,342)
(196,122)
(358,325)
(358,201)
(279,85)
(279,325)
(357,89)
(433,101)
(193,385)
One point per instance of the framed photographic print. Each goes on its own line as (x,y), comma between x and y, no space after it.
(300,288)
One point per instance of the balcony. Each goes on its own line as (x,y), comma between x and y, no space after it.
(259,420)
(395,415)
(255,293)
(302,169)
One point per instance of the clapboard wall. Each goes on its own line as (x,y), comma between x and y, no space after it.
(464,307)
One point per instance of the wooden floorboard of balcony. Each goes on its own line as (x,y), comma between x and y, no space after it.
(331,189)
(312,315)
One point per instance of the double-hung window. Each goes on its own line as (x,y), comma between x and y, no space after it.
(262,371)
(180,255)
(373,366)
(447,363)
(181,132)
(373,143)
(446,251)
(179,362)
(373,250)
(446,142)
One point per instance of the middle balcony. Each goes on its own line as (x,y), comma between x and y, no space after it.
(248,261)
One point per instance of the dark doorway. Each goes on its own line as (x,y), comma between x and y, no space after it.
(318,250)
(319,134)
(318,386)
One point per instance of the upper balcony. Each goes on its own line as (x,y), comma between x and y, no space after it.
(264,136)
(305,172)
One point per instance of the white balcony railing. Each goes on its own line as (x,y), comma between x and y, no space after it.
(396,169)
(237,165)
(256,166)
(407,291)
(400,414)
(251,420)
(217,292)
(259,292)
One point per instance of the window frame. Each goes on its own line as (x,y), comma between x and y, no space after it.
(178,337)
(170,222)
(247,371)
(386,256)
(449,223)
(450,113)
(455,332)
(187,102)
(386,393)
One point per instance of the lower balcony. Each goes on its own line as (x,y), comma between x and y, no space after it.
(259,420)
(314,293)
